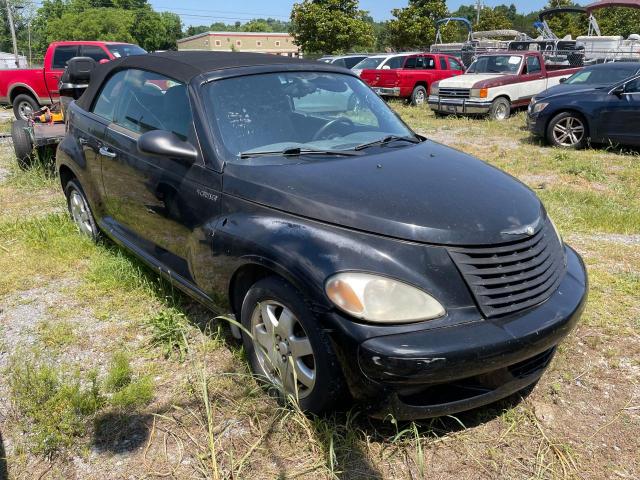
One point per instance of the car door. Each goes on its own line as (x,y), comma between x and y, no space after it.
(61,55)
(533,79)
(155,203)
(620,118)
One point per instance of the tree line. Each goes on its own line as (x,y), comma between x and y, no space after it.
(319,26)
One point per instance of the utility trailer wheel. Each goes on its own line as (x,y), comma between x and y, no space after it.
(22,144)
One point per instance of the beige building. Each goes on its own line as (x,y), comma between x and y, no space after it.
(262,42)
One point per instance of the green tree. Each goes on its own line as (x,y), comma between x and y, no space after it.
(493,19)
(618,21)
(414,26)
(330,26)
(563,24)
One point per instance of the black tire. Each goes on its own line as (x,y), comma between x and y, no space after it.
(22,145)
(419,96)
(500,109)
(574,125)
(22,104)
(329,388)
(85,223)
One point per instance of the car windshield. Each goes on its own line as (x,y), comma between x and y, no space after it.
(496,64)
(125,49)
(600,76)
(298,112)
(369,63)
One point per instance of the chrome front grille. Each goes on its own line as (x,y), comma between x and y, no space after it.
(454,92)
(512,276)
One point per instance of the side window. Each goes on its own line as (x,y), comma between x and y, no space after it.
(411,62)
(62,55)
(443,63)
(429,63)
(95,52)
(150,101)
(105,105)
(633,86)
(533,65)
(395,62)
(455,64)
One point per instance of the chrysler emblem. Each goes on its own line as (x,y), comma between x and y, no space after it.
(525,230)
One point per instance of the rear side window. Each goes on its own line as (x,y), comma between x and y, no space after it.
(455,64)
(94,52)
(411,62)
(62,55)
(633,86)
(443,63)
(426,63)
(105,105)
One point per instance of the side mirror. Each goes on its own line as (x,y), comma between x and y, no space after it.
(618,91)
(162,143)
(562,80)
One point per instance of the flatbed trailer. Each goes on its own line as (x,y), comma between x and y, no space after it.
(32,141)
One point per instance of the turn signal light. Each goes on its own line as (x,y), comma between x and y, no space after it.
(341,293)
(484,92)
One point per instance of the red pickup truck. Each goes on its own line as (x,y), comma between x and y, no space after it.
(414,77)
(28,89)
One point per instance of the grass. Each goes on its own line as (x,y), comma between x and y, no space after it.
(114,330)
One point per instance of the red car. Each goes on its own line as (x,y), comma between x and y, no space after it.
(414,77)
(28,89)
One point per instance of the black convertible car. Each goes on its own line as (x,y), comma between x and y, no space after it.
(599,104)
(362,260)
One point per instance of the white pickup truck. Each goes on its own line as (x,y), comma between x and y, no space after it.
(494,84)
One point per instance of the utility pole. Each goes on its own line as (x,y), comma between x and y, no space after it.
(13,34)
(478,8)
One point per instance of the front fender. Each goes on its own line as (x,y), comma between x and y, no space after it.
(307,252)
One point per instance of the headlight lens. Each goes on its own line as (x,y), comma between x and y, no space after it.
(479,92)
(538,107)
(380,299)
(435,89)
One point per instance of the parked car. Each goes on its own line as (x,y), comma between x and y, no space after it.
(379,62)
(361,259)
(494,84)
(600,104)
(29,89)
(347,61)
(414,78)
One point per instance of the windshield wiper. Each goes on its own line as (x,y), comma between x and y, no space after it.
(295,151)
(388,139)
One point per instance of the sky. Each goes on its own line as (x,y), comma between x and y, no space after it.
(198,12)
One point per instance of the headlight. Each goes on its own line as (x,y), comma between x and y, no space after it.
(479,92)
(538,107)
(381,299)
(435,89)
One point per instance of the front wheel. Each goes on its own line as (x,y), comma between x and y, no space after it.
(567,130)
(419,95)
(500,109)
(288,349)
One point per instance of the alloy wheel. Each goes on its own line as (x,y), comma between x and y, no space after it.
(501,111)
(419,97)
(25,109)
(568,132)
(80,213)
(283,349)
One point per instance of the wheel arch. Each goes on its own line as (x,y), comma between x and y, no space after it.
(22,88)
(65,174)
(575,111)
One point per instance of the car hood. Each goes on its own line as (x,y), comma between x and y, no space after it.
(426,193)
(467,80)
(563,89)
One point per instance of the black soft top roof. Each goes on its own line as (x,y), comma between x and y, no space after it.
(183,66)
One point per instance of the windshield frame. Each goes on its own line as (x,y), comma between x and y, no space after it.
(209,135)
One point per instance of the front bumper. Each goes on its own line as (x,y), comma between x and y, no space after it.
(535,123)
(446,370)
(459,105)
(387,92)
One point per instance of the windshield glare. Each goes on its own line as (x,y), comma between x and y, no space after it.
(599,76)
(370,63)
(125,49)
(307,110)
(496,64)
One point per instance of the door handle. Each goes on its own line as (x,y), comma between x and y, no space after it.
(83,141)
(105,151)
